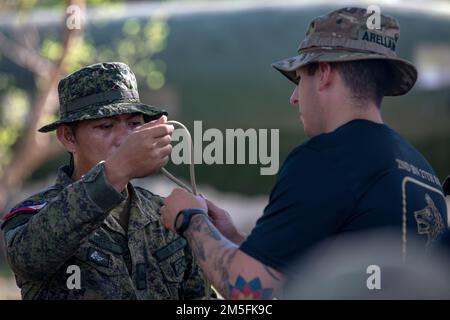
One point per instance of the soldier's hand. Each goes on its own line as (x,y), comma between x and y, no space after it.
(223,222)
(145,151)
(179,199)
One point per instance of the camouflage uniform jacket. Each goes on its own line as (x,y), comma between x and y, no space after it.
(70,224)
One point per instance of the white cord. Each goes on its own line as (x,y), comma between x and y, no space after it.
(193,188)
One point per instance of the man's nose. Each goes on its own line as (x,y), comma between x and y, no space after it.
(294,97)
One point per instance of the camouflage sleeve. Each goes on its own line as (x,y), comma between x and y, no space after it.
(196,285)
(48,238)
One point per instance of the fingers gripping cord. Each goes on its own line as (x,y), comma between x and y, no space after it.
(193,188)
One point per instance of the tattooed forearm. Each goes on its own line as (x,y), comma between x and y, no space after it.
(199,224)
(222,266)
(197,248)
(241,289)
(215,252)
(216,256)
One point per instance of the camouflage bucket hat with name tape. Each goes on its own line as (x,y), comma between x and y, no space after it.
(99,91)
(343,35)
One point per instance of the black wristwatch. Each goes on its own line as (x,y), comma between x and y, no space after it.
(184,218)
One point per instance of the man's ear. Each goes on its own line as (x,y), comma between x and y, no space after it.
(67,137)
(326,74)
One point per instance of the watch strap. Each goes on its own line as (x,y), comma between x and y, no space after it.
(187,215)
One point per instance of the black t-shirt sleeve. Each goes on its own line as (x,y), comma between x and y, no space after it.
(446,186)
(302,211)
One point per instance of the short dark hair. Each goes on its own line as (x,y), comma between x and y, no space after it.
(367,79)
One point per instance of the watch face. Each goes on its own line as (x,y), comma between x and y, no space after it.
(179,221)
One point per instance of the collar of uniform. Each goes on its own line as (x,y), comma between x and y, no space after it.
(140,213)
(63,177)
(114,225)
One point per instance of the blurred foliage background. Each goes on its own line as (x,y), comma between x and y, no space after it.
(203,60)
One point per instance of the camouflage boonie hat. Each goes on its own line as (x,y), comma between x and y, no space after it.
(99,91)
(343,35)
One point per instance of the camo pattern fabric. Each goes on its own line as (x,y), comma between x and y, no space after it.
(98,91)
(70,224)
(344,35)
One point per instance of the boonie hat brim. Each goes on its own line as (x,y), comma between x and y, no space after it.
(404,74)
(104,111)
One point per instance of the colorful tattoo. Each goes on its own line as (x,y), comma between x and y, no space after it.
(249,290)
(217,259)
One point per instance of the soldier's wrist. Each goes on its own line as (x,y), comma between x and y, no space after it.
(116,176)
(100,190)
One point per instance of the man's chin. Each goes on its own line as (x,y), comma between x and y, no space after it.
(302,123)
(306,130)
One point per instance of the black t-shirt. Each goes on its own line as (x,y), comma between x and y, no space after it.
(447,186)
(361,176)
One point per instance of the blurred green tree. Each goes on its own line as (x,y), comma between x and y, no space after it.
(48,56)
